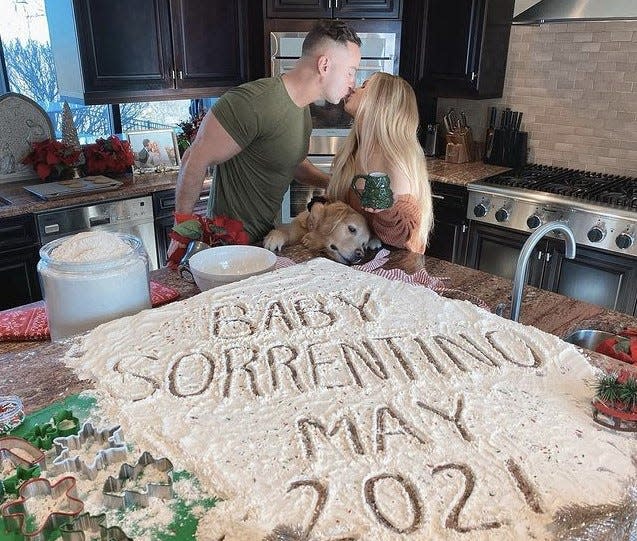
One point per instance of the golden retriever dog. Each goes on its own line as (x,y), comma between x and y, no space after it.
(332,228)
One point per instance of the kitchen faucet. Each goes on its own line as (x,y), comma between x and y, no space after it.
(523,261)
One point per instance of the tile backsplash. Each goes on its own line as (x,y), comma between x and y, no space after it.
(576,84)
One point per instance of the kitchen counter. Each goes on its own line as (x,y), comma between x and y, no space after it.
(461,173)
(23,202)
(34,371)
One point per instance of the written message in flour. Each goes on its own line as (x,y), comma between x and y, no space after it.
(357,412)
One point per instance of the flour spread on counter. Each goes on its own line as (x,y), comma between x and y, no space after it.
(349,406)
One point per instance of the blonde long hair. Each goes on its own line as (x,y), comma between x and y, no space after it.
(386,123)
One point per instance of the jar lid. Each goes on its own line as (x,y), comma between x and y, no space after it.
(11,413)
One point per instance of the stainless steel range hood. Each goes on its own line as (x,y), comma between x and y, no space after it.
(561,11)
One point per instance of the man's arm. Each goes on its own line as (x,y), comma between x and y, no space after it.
(213,145)
(307,173)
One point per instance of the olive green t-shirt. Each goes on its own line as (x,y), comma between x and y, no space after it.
(274,135)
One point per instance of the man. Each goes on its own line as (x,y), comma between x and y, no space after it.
(143,154)
(259,133)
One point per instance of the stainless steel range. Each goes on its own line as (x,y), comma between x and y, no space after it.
(600,209)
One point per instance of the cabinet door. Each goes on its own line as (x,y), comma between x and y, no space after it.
(496,251)
(210,43)
(596,277)
(18,277)
(299,9)
(380,9)
(448,241)
(466,46)
(124,44)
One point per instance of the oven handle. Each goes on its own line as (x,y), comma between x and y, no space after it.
(99,220)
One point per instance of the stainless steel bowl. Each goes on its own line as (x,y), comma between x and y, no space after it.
(588,338)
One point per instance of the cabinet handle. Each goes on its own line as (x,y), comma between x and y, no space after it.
(329,4)
(548,257)
(435,196)
(540,255)
(473,75)
(181,74)
(173,74)
(464,228)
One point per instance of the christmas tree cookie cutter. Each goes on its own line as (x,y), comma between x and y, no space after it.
(16,513)
(62,424)
(116,496)
(113,450)
(88,526)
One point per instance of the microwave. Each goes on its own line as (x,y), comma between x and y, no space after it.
(330,122)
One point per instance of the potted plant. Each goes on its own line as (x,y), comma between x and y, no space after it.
(110,155)
(615,401)
(53,160)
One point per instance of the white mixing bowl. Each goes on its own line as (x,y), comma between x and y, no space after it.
(224,264)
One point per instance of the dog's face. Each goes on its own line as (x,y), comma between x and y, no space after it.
(337,230)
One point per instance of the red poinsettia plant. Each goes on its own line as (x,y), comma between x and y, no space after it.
(51,158)
(111,155)
(216,231)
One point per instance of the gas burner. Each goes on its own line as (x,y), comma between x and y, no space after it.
(600,209)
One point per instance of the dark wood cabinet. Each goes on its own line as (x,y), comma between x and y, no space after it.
(19,256)
(596,277)
(145,50)
(458,48)
(448,240)
(326,9)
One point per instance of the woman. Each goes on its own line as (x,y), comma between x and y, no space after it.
(384,138)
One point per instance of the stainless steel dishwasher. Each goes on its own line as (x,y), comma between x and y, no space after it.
(132,216)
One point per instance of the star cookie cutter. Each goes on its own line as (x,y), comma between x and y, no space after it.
(88,526)
(113,451)
(16,513)
(118,497)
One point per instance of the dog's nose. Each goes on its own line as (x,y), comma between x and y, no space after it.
(359,253)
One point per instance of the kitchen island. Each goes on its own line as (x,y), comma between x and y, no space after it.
(34,370)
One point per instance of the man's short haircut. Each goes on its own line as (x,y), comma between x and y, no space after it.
(328,29)
(145,142)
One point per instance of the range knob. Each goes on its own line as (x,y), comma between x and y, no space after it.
(502,214)
(596,234)
(624,240)
(480,210)
(534,221)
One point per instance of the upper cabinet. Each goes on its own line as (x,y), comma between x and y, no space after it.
(122,51)
(326,9)
(461,46)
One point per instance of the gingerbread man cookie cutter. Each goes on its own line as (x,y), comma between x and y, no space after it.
(64,496)
(113,451)
(116,496)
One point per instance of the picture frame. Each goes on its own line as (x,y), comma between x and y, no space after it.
(154,150)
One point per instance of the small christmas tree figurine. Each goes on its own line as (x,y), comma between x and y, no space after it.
(69,132)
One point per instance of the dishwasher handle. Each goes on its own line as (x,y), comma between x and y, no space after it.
(99,220)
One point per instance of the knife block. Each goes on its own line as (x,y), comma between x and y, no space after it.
(460,146)
(507,147)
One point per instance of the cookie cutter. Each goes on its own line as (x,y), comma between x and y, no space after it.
(94,526)
(11,413)
(114,450)
(27,460)
(62,424)
(20,452)
(15,513)
(117,497)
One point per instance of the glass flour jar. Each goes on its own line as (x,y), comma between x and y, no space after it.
(91,278)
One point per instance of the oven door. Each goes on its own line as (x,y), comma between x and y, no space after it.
(299,195)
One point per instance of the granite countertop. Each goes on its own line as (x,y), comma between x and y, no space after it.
(461,173)
(34,371)
(24,202)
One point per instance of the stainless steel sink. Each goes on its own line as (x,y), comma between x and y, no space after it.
(588,338)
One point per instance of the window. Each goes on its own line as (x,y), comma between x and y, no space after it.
(24,34)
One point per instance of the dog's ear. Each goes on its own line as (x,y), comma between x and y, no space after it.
(316,215)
